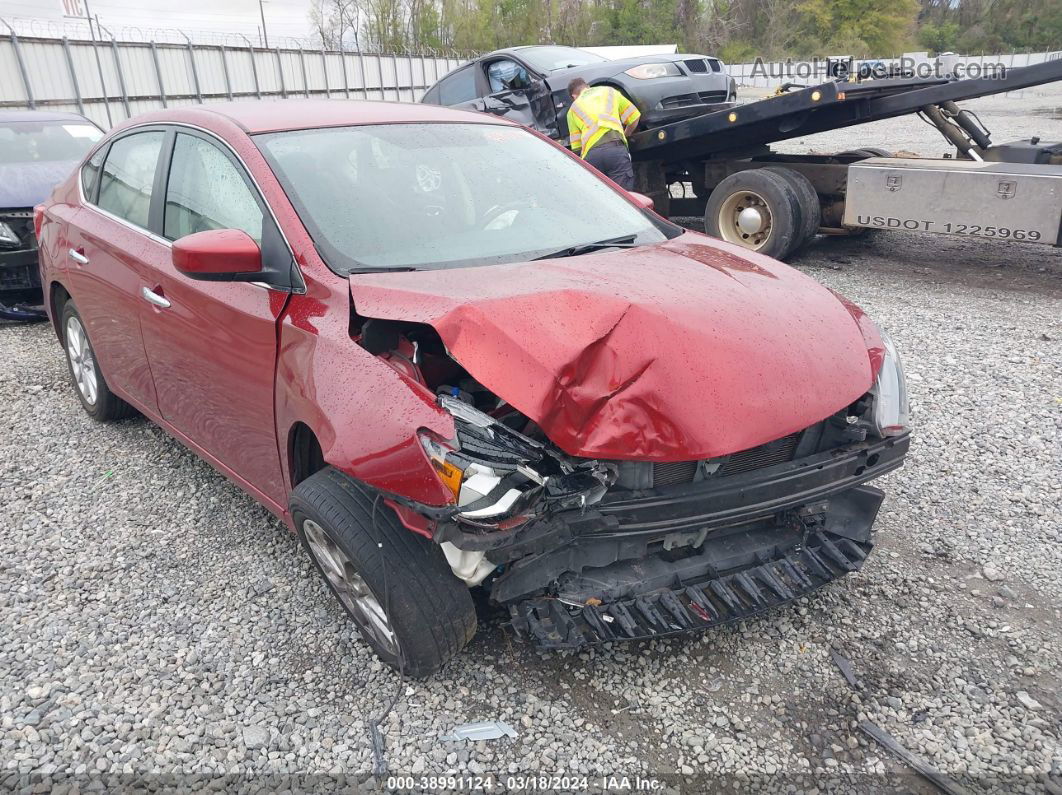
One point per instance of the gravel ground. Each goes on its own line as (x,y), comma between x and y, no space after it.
(155,621)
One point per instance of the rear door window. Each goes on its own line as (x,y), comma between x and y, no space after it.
(206,190)
(128,176)
(458,87)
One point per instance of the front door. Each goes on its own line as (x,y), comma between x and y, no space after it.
(519,96)
(212,345)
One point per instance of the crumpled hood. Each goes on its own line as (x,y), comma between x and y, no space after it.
(25,185)
(679,351)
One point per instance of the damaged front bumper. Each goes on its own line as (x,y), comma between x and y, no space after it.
(21,297)
(735,576)
(682,558)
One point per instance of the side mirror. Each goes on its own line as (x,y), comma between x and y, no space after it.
(641,200)
(218,255)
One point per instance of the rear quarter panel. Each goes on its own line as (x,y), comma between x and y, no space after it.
(59,210)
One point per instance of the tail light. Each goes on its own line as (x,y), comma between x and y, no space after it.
(38,221)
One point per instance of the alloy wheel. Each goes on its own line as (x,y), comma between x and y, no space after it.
(350,586)
(82,361)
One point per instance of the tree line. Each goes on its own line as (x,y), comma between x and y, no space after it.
(735,30)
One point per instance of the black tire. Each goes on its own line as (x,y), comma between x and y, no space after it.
(810,209)
(428,610)
(104,406)
(866,151)
(785,229)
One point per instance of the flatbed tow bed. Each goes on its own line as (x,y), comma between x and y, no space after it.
(774,203)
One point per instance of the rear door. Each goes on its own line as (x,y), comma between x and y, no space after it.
(107,243)
(459,90)
(212,345)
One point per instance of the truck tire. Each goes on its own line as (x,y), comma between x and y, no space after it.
(866,151)
(756,209)
(810,209)
(396,585)
(91,387)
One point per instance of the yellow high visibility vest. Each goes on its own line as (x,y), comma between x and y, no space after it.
(599,108)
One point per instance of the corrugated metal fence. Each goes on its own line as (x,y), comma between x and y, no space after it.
(109,81)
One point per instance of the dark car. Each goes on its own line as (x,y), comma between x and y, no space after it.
(449,354)
(38,149)
(529,85)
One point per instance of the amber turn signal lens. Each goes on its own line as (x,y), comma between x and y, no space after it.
(449,475)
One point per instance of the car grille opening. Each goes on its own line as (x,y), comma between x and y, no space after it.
(691,100)
(712,96)
(777,452)
(679,101)
(701,66)
(672,472)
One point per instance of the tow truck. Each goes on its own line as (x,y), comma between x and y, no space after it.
(774,203)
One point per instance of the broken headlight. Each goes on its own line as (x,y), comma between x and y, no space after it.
(500,478)
(648,71)
(892,411)
(8,238)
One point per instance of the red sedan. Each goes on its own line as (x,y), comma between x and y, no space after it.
(451,355)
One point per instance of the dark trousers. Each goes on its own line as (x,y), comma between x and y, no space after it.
(614,161)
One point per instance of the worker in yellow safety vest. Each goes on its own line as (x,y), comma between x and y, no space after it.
(599,123)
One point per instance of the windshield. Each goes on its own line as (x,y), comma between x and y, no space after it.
(546,59)
(446,195)
(34,142)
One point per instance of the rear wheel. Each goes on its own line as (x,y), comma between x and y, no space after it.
(758,210)
(92,390)
(866,151)
(396,585)
(810,209)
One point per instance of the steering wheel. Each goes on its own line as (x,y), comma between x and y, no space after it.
(498,209)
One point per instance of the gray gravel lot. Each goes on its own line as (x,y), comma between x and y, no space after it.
(155,620)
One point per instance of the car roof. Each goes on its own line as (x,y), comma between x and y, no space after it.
(40,115)
(259,116)
(513,50)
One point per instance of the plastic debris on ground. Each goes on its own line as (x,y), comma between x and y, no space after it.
(482,730)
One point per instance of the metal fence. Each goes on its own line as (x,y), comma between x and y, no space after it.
(110,81)
(773,74)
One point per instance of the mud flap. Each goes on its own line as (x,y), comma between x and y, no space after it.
(552,624)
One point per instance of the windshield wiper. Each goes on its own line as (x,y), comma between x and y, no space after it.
(624,241)
(382,269)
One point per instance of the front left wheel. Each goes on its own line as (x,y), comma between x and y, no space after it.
(396,585)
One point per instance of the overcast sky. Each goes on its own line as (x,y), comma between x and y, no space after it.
(283,17)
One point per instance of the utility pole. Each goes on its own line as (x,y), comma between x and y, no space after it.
(99,64)
(265,36)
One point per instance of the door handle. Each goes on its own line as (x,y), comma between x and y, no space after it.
(77,256)
(154,298)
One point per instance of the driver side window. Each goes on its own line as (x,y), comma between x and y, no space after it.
(506,75)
